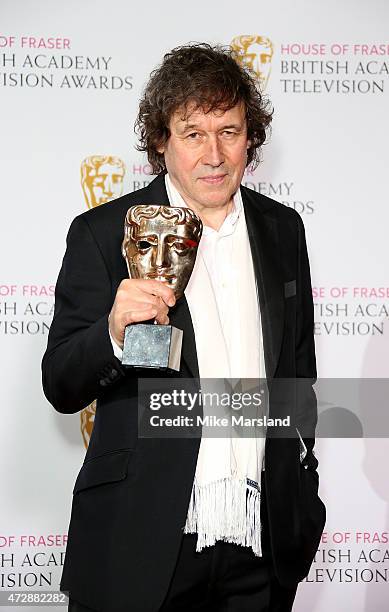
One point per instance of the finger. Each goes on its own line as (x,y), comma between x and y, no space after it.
(149,287)
(162,309)
(159,288)
(143,303)
(163,320)
(140,300)
(135,316)
(129,295)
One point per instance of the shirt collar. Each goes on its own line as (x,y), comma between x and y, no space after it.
(229,223)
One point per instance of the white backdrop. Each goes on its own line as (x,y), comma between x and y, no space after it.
(327,158)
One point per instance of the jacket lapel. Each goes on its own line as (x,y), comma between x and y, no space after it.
(262,227)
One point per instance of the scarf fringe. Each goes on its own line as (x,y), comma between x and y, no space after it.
(227,509)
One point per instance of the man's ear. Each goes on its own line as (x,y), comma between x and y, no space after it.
(248,145)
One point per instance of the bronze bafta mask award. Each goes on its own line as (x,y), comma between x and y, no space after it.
(160,243)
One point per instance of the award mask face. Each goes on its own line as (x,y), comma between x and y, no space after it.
(160,242)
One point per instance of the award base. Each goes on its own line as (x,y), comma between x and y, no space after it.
(152,346)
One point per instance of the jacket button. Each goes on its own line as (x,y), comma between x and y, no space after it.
(103,382)
(113,374)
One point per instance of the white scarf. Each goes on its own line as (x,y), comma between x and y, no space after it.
(225,500)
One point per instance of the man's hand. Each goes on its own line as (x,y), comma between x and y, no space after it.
(139,300)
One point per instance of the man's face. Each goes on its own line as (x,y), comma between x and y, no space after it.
(105,183)
(164,251)
(205,155)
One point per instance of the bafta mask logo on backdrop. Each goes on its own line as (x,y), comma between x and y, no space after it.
(101,180)
(87,421)
(255,52)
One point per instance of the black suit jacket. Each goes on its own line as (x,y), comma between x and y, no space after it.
(131,496)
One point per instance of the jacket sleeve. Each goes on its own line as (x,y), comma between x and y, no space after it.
(305,353)
(79,363)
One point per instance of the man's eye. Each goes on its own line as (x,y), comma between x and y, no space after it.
(193,135)
(143,245)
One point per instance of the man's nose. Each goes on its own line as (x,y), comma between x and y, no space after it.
(162,256)
(213,155)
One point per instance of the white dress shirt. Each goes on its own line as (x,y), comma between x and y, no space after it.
(223,303)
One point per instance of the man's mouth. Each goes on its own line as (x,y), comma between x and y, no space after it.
(216,179)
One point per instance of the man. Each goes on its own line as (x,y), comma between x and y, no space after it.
(147,531)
